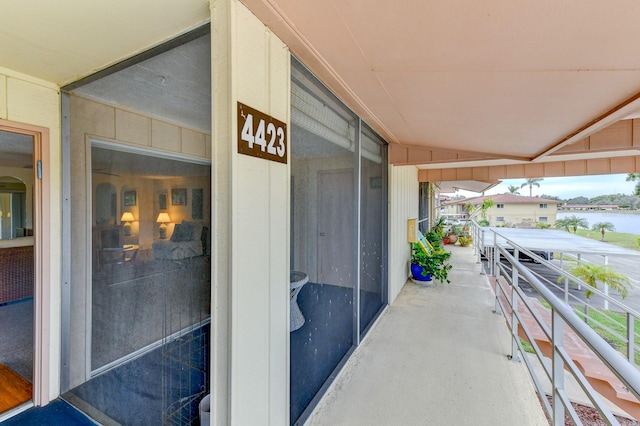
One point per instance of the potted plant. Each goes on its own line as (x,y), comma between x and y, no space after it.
(437,230)
(453,235)
(465,240)
(426,267)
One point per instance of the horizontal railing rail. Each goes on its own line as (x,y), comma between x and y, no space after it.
(627,336)
(604,321)
(510,297)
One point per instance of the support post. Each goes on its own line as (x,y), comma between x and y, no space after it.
(606,286)
(514,309)
(631,344)
(557,367)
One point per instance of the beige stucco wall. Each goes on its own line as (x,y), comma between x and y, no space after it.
(250,297)
(28,100)
(403,205)
(515,214)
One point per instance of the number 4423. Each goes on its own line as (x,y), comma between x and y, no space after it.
(268,137)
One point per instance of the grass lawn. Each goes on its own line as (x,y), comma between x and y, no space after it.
(629,241)
(606,321)
(614,321)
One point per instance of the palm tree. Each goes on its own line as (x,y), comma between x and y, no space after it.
(487,203)
(591,273)
(572,223)
(530,183)
(633,177)
(603,227)
(514,189)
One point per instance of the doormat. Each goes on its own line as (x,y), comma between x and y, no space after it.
(14,389)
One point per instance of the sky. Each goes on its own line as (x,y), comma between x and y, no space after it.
(567,187)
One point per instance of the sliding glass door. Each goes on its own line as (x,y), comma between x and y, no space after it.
(338,228)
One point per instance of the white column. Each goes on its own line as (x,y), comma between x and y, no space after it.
(250,283)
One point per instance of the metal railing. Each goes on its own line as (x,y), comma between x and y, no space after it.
(603,320)
(510,298)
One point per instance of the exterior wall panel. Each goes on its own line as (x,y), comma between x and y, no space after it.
(403,205)
(250,301)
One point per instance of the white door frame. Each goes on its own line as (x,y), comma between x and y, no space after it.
(42,269)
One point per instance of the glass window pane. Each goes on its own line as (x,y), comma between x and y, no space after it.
(372,227)
(150,294)
(323,226)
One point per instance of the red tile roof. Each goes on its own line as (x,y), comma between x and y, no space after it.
(505,199)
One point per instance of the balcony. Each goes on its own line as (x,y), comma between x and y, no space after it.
(440,355)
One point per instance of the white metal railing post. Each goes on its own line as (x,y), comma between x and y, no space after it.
(631,335)
(578,261)
(495,254)
(566,280)
(562,316)
(514,311)
(480,246)
(606,286)
(557,367)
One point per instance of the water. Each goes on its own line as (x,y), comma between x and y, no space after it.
(628,223)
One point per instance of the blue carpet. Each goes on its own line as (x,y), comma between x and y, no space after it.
(163,386)
(56,413)
(324,339)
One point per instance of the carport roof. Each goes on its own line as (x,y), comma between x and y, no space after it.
(556,241)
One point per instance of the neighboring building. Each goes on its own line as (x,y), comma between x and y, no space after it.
(514,211)
(588,207)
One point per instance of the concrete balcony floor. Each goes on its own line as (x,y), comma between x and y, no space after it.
(437,356)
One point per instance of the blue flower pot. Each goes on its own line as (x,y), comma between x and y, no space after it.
(417,273)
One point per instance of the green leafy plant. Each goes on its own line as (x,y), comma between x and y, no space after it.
(572,223)
(434,239)
(603,227)
(434,263)
(591,274)
(465,240)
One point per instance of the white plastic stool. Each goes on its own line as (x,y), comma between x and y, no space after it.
(296,280)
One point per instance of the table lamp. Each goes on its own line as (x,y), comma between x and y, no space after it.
(127,218)
(163,219)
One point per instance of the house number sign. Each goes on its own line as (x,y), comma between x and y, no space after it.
(260,135)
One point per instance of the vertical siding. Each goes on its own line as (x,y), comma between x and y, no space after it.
(403,205)
(32,101)
(251,227)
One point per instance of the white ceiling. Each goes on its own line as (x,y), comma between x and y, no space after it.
(510,79)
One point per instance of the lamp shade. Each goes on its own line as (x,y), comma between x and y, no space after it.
(163,218)
(127,217)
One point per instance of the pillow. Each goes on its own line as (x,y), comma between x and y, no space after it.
(196,228)
(182,232)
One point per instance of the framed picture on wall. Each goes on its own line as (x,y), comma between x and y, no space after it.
(129,198)
(197,205)
(179,196)
(162,201)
